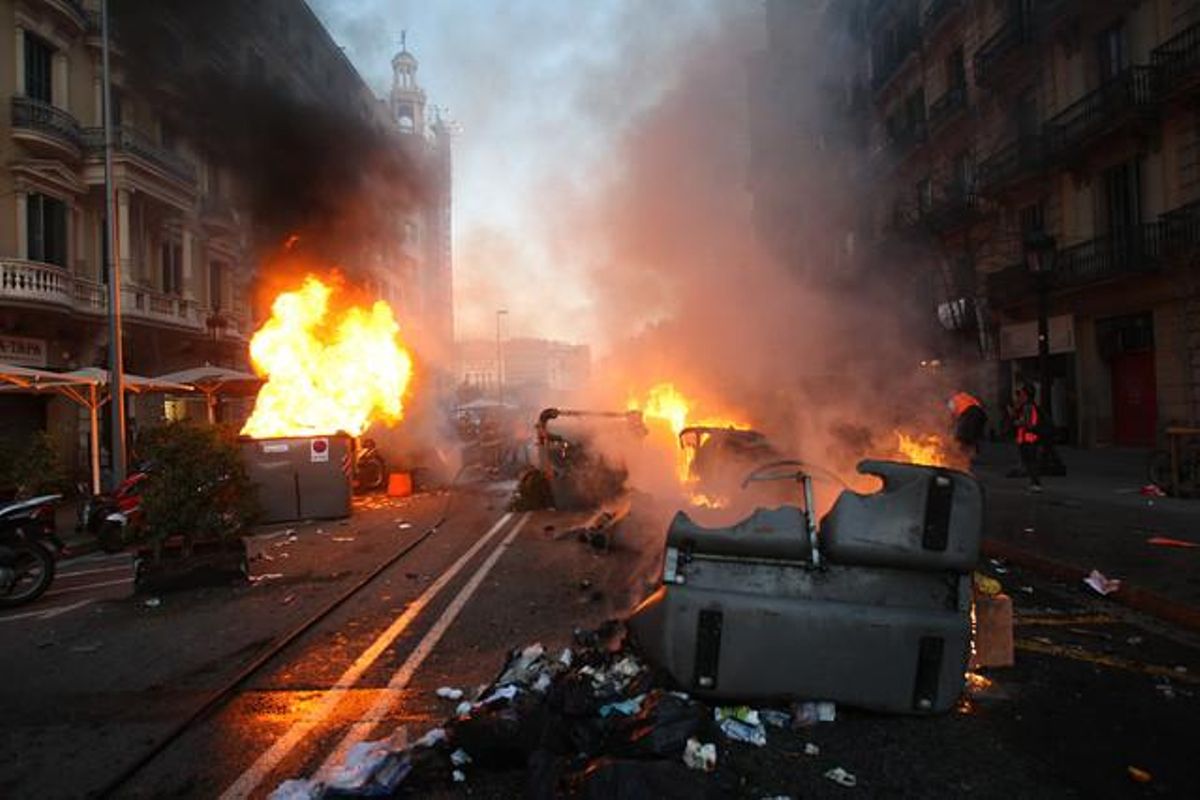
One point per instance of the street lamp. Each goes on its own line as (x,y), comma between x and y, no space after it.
(116,356)
(503,312)
(1040,251)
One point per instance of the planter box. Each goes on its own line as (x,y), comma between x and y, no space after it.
(212,562)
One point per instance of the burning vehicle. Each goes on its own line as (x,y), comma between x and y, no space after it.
(717,457)
(571,471)
(870,608)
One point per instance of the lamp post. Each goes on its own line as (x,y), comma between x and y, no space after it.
(1040,250)
(501,313)
(116,359)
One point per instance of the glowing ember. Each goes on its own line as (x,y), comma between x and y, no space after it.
(328,369)
(926,449)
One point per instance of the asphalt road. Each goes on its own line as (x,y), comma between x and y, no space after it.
(94,675)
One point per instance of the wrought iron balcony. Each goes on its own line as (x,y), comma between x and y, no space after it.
(47,120)
(129,141)
(1135,249)
(956,207)
(908,39)
(902,140)
(1178,61)
(1011,162)
(952,102)
(1128,96)
(1181,232)
(1014,33)
(938,12)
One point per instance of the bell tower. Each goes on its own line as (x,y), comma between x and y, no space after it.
(407,100)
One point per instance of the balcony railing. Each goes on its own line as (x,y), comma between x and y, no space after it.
(1023,156)
(1128,250)
(1178,60)
(952,102)
(1119,99)
(956,207)
(44,118)
(908,39)
(938,11)
(35,282)
(130,141)
(1181,232)
(1014,33)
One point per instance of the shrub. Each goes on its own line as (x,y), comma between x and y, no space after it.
(31,466)
(198,485)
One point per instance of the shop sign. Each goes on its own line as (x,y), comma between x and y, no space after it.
(22,351)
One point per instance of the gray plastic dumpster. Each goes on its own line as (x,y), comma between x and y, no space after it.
(882,622)
(302,477)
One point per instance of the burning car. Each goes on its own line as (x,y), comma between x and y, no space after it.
(717,457)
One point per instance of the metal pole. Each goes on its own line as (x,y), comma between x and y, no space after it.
(94,419)
(1044,377)
(116,359)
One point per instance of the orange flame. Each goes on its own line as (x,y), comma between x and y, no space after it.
(327,370)
(667,404)
(924,449)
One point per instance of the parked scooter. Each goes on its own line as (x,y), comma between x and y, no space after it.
(370,470)
(113,517)
(26,560)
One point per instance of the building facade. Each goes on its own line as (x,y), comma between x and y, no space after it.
(1067,130)
(531,371)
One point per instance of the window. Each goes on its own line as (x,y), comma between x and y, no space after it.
(1033,220)
(39,56)
(171,264)
(46,222)
(1112,55)
(216,271)
(1122,198)
(961,177)
(956,71)
(924,195)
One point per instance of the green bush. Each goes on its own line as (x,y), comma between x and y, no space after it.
(30,466)
(198,487)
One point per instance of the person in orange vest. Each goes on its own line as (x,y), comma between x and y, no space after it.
(969,419)
(1026,419)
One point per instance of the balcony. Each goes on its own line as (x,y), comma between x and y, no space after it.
(938,12)
(1130,96)
(1178,62)
(995,53)
(71,12)
(956,207)
(130,142)
(1012,162)
(35,283)
(902,140)
(1181,232)
(46,128)
(217,212)
(952,103)
(1136,249)
(894,55)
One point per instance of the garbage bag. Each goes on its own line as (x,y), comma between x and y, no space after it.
(659,730)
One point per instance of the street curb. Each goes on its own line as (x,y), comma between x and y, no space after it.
(1144,600)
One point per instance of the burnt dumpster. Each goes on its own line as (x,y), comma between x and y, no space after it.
(871,609)
(303,477)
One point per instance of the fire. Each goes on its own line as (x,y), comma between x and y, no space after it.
(925,449)
(328,369)
(667,404)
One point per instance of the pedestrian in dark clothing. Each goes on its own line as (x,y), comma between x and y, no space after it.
(1026,418)
(969,420)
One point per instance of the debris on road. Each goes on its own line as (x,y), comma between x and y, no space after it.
(700,756)
(1102,585)
(842,777)
(1139,775)
(152,602)
(1152,490)
(1166,541)
(266,576)
(449,693)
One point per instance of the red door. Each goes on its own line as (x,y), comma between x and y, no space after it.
(1134,399)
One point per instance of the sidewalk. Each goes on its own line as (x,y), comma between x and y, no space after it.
(1096,518)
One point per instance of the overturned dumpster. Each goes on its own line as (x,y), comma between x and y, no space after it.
(871,608)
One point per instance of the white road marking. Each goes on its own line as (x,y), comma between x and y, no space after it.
(98,558)
(43,613)
(87,586)
(393,693)
(249,780)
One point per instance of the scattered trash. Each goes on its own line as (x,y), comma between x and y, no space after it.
(810,713)
(463,708)
(625,708)
(811,749)
(262,556)
(700,756)
(432,737)
(1182,670)
(999,565)
(842,777)
(1166,541)
(321,531)
(1134,640)
(371,769)
(404,526)
(450,693)
(460,757)
(1101,584)
(1166,690)
(152,602)
(741,724)
(1151,490)
(774,718)
(341,538)
(266,576)
(287,600)
(1027,589)
(1139,775)
(459,776)
(296,790)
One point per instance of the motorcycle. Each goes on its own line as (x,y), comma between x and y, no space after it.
(26,562)
(370,470)
(111,517)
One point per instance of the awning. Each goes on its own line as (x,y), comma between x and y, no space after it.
(212,381)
